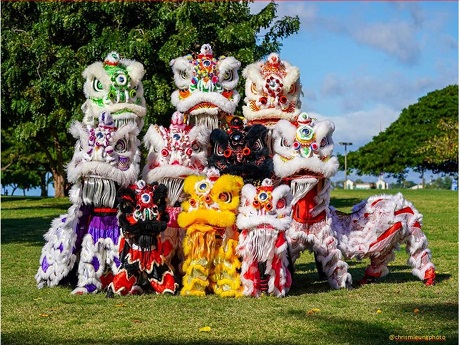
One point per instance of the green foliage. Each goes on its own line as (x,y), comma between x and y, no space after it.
(47,45)
(410,141)
(312,313)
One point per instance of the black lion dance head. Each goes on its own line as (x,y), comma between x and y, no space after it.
(142,212)
(142,217)
(241,150)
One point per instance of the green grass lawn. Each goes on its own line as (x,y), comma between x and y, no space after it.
(312,313)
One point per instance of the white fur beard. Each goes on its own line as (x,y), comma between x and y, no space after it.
(259,245)
(99,192)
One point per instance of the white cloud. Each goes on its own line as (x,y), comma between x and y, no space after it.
(396,90)
(396,39)
(360,127)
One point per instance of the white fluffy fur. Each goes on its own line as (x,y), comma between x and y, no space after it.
(249,217)
(228,64)
(287,162)
(183,72)
(79,166)
(197,97)
(60,235)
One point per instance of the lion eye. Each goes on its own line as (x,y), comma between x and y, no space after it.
(219,150)
(195,147)
(121,146)
(257,145)
(183,74)
(228,75)
(97,85)
(284,143)
(225,197)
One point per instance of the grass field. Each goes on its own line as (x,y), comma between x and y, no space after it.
(398,306)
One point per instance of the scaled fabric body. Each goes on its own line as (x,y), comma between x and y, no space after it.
(303,160)
(173,154)
(206,87)
(208,215)
(142,217)
(376,228)
(263,218)
(106,157)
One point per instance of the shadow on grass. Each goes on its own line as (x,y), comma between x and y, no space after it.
(23,230)
(351,331)
(345,203)
(306,279)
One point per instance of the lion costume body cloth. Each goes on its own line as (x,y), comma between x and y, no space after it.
(375,228)
(208,215)
(142,217)
(106,157)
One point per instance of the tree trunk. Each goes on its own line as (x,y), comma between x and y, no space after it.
(59,184)
(43,186)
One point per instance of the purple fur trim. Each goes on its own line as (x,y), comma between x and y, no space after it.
(96,264)
(45,264)
(117,261)
(90,287)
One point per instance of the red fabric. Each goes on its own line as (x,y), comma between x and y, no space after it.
(387,233)
(404,210)
(122,284)
(106,279)
(301,210)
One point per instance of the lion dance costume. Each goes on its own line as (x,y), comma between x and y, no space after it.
(264,216)
(376,226)
(142,217)
(106,157)
(303,160)
(206,87)
(173,154)
(208,215)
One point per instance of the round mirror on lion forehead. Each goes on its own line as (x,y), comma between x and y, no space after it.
(206,86)
(115,86)
(272,91)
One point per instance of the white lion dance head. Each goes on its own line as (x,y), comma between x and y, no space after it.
(105,157)
(175,153)
(206,86)
(272,91)
(304,148)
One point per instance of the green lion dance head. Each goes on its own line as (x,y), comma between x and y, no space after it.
(114,86)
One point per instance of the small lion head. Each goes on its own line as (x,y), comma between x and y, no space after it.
(304,148)
(265,206)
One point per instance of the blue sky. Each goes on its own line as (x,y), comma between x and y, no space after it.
(363,62)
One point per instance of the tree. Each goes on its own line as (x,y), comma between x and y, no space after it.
(411,141)
(441,151)
(46,46)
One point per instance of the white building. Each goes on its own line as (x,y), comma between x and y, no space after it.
(380,184)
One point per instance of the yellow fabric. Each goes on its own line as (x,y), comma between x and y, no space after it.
(208,215)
